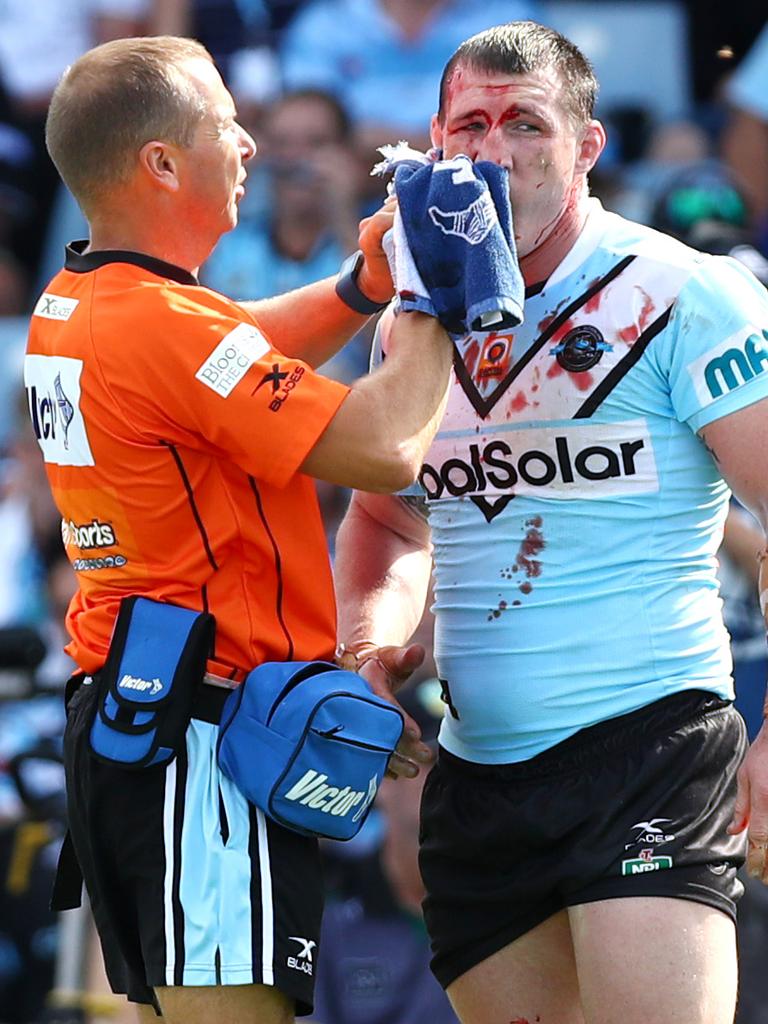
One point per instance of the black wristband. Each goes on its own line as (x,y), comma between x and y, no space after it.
(348,291)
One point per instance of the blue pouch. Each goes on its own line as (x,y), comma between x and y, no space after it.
(156,662)
(308,743)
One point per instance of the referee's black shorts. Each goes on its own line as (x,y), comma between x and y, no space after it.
(634,806)
(189,883)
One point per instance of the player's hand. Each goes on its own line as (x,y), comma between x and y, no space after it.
(385,669)
(375,279)
(751,809)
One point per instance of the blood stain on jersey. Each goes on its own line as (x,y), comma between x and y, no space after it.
(531,545)
(593,304)
(470,357)
(519,402)
(583,381)
(495,613)
(631,333)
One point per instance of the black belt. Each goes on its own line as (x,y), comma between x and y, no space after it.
(209,702)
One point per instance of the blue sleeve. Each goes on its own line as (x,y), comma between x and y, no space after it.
(717,345)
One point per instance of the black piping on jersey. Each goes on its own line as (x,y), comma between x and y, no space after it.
(611,379)
(278,569)
(79,262)
(176,906)
(482,405)
(190,495)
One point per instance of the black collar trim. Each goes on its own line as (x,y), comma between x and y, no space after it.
(80,262)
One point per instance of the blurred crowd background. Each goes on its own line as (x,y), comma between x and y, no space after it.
(321,84)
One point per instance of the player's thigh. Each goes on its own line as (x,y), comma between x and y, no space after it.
(651,958)
(146,1014)
(532,978)
(225,1004)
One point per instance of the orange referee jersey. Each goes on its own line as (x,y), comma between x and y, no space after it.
(172,433)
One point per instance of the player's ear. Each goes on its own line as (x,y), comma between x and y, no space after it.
(436,132)
(159,160)
(591,146)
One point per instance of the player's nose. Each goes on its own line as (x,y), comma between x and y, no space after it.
(495,149)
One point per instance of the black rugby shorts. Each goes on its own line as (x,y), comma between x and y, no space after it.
(189,883)
(634,806)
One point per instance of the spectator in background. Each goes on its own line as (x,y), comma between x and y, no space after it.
(241,36)
(37,41)
(383,58)
(745,139)
(302,222)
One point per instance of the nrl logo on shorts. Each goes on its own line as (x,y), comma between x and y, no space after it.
(645,861)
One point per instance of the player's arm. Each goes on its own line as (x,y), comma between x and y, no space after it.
(382,569)
(381,432)
(739,444)
(312,323)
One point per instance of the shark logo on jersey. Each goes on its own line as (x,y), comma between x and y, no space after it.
(472,223)
(53,394)
(581,349)
(729,365)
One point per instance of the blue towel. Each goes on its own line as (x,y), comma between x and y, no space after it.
(457,221)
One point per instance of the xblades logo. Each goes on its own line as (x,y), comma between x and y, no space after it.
(55,307)
(302,962)
(275,377)
(648,832)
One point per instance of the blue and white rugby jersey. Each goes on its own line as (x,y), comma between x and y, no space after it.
(575,512)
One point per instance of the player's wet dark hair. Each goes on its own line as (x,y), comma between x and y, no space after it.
(521,47)
(113,100)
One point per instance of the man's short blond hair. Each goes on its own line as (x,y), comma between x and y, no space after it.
(113,100)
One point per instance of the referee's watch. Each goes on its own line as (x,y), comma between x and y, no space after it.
(348,291)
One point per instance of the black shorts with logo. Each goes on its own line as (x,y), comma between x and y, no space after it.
(189,883)
(634,806)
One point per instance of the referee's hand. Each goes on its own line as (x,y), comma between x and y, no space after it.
(375,278)
(751,808)
(385,669)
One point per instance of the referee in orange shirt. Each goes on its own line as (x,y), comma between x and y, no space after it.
(180,432)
